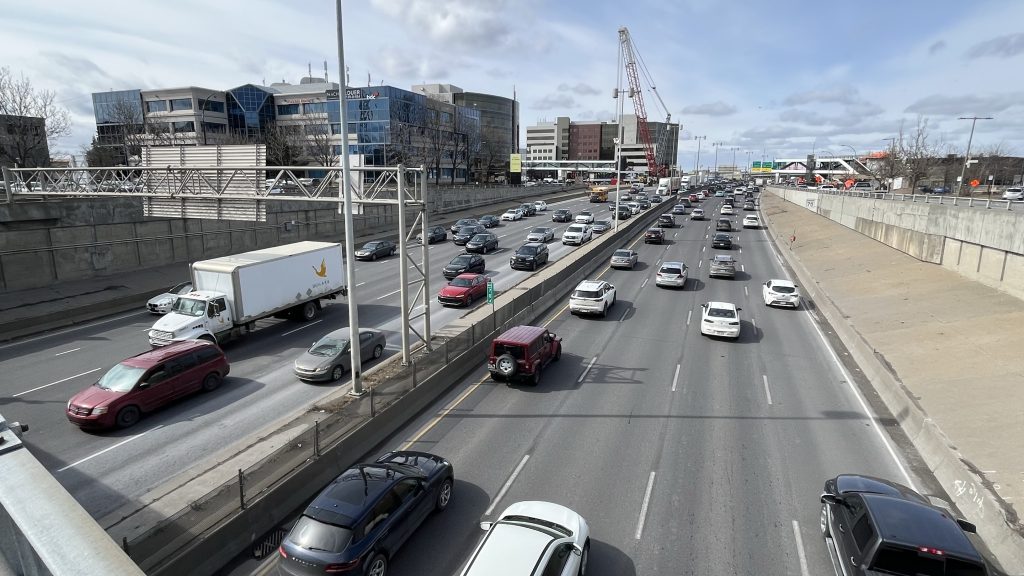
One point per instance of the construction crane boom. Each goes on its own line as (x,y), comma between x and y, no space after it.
(633,75)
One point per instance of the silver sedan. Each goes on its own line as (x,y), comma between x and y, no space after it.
(542,234)
(330,357)
(624,259)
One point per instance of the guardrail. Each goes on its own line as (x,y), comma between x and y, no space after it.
(215,527)
(968,201)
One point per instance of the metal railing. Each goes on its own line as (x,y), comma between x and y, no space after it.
(942,199)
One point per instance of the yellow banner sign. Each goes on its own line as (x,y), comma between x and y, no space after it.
(515,163)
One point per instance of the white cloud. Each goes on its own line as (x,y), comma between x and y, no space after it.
(716,108)
(943,105)
(1006,46)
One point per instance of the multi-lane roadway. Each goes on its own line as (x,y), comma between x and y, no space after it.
(686,455)
(108,470)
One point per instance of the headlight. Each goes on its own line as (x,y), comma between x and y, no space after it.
(321,370)
(99,410)
(69,405)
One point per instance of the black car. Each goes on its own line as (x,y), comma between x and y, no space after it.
(530,256)
(376,249)
(482,243)
(645,204)
(601,226)
(723,224)
(667,221)
(679,209)
(722,240)
(464,234)
(464,222)
(435,234)
(464,263)
(875,526)
(361,519)
(561,215)
(728,201)
(528,209)
(654,236)
(489,221)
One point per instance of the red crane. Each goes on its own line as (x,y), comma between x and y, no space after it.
(635,92)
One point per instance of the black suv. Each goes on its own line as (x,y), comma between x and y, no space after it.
(530,256)
(722,240)
(362,518)
(464,263)
(561,215)
(464,234)
(667,221)
(528,209)
(654,235)
(874,526)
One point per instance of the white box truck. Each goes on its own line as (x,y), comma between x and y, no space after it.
(668,186)
(229,294)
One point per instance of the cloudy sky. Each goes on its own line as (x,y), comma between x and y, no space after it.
(776,79)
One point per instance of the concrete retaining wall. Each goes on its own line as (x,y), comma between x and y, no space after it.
(42,243)
(983,245)
(530,299)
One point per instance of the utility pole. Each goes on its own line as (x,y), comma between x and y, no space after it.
(716,146)
(734,149)
(967,157)
(696,165)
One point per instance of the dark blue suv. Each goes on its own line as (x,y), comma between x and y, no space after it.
(360,520)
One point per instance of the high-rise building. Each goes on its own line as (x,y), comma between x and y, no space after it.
(592,140)
(548,140)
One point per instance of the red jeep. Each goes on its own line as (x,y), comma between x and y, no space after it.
(522,352)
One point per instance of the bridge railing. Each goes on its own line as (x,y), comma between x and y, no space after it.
(966,201)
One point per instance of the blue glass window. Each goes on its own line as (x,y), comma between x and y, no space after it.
(314,108)
(287,109)
(316,128)
(211,105)
(336,128)
(189,126)
(181,104)
(156,106)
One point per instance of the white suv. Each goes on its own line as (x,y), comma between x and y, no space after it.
(720,319)
(577,234)
(592,297)
(532,539)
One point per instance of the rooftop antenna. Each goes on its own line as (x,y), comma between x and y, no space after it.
(347,77)
(326,79)
(309,69)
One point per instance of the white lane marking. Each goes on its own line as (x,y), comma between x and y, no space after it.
(752,321)
(800,549)
(388,294)
(675,378)
(703,248)
(67,352)
(743,268)
(705,236)
(52,383)
(302,327)
(767,390)
(699,262)
(643,509)
(624,312)
(508,484)
(745,293)
(587,369)
(108,449)
(82,327)
(688,314)
(741,250)
(360,284)
(645,282)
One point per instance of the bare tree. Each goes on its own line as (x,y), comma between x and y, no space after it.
(286,144)
(318,144)
(437,125)
(25,105)
(491,153)
(917,152)
(127,129)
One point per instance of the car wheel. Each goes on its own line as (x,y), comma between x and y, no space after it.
(506,365)
(444,495)
(128,416)
(373,257)
(337,372)
(604,311)
(558,354)
(584,557)
(377,566)
(535,379)
(211,382)
(823,521)
(378,351)
(393,250)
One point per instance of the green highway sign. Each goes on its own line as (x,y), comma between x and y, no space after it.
(490,292)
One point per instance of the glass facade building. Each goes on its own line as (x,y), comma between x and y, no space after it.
(250,110)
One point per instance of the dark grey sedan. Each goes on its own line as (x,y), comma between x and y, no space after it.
(482,243)
(376,249)
(435,234)
(329,357)
(601,226)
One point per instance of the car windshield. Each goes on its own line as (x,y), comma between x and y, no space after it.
(461,282)
(189,307)
(560,212)
(310,534)
(481,238)
(721,313)
(585,213)
(467,230)
(120,378)
(655,232)
(783,289)
(465,222)
(510,212)
(328,346)
(574,229)
(586,294)
(602,224)
(527,250)
(371,245)
(539,231)
(622,254)
(461,261)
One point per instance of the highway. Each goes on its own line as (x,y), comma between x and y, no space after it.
(107,470)
(686,455)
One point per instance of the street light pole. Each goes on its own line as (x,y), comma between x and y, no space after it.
(716,146)
(967,157)
(734,149)
(696,165)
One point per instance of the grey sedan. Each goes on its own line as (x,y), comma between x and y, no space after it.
(624,259)
(542,234)
(329,357)
(376,249)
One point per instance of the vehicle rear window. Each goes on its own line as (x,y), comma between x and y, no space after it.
(670,270)
(622,253)
(891,560)
(783,289)
(514,350)
(721,313)
(586,294)
(312,534)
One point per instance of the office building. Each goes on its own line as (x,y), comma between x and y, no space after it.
(184,116)
(548,140)
(592,140)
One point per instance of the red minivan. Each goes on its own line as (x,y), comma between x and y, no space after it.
(146,382)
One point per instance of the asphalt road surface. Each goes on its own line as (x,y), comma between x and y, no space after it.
(105,470)
(686,455)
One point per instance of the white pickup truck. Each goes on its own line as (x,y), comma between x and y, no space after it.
(231,293)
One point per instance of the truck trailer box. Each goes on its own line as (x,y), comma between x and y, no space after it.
(263,282)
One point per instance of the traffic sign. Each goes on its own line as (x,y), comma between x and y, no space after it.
(974,183)
(490,292)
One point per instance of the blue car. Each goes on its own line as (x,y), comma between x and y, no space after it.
(361,519)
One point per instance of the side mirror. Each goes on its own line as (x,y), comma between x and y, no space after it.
(486,525)
(832,499)
(142,385)
(738,309)
(967,526)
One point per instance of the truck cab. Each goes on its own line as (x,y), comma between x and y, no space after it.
(198,315)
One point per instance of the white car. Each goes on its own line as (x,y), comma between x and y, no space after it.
(584,217)
(634,207)
(727,209)
(540,205)
(826,187)
(532,539)
(778,292)
(751,221)
(671,274)
(162,304)
(720,319)
(592,297)
(530,183)
(512,214)
(578,234)
(1015,193)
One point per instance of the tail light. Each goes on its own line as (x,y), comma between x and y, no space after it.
(342,566)
(281,550)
